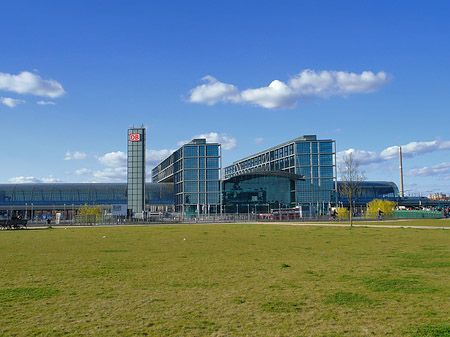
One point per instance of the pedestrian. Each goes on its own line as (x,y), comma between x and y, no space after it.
(380,212)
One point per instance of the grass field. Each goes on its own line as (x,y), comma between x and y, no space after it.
(225,280)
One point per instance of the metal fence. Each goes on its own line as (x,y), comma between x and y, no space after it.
(178,218)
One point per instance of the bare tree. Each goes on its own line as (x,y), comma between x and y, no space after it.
(351,177)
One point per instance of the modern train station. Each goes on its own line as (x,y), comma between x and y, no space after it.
(300,172)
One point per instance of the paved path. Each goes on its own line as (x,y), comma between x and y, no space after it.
(359,225)
(337,224)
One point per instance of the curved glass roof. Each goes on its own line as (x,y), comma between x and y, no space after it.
(374,190)
(80,194)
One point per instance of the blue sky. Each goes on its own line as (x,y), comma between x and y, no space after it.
(74,75)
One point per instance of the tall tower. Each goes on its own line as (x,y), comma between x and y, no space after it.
(136,172)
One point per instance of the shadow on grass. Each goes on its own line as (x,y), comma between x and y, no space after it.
(430,331)
(349,299)
(19,295)
(382,283)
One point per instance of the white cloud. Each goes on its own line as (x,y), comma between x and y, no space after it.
(83,171)
(118,174)
(228,143)
(75,155)
(11,102)
(114,159)
(33,180)
(306,85)
(45,103)
(409,150)
(154,157)
(276,95)
(360,156)
(29,83)
(258,140)
(442,169)
(213,91)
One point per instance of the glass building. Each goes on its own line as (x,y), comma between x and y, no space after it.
(259,192)
(194,169)
(383,190)
(68,197)
(136,171)
(306,156)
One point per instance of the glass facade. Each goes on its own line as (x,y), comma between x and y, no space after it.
(79,194)
(194,169)
(370,190)
(306,156)
(136,171)
(315,160)
(259,192)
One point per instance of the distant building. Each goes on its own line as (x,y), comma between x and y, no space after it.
(34,199)
(194,169)
(370,190)
(136,172)
(306,156)
(438,196)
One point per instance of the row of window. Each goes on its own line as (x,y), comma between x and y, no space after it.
(315,147)
(314,159)
(199,150)
(282,153)
(201,198)
(309,185)
(316,171)
(200,162)
(212,174)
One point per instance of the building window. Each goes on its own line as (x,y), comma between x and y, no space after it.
(303,148)
(212,150)
(190,163)
(326,147)
(190,151)
(212,162)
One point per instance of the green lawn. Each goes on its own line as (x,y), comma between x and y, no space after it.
(225,280)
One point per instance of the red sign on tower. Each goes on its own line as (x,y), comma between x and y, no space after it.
(135,137)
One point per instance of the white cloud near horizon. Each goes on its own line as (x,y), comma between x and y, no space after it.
(118,159)
(114,159)
(11,102)
(306,85)
(154,157)
(83,171)
(117,174)
(30,83)
(409,150)
(258,140)
(75,155)
(228,143)
(442,170)
(45,103)
(33,180)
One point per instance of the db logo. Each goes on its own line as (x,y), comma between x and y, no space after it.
(135,137)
